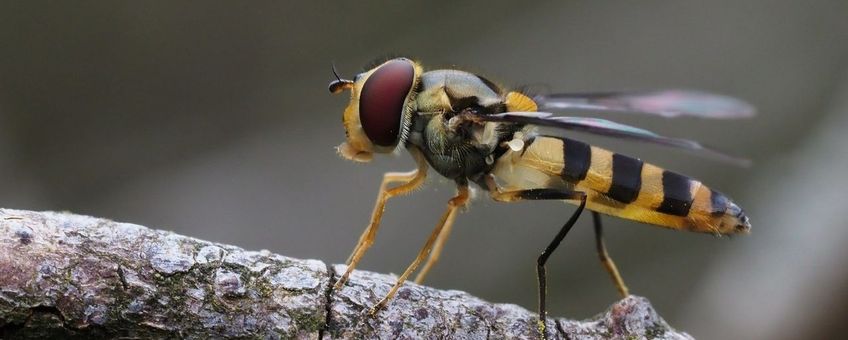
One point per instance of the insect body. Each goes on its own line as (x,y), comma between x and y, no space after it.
(470,130)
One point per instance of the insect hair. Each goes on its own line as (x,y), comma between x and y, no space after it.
(379,60)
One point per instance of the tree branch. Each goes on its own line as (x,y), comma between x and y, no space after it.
(65,275)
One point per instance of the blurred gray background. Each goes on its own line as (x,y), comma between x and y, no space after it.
(213,120)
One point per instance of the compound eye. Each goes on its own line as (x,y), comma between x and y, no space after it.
(382,100)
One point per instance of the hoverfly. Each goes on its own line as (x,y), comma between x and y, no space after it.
(469,129)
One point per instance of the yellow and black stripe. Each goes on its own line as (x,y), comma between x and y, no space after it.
(576,166)
(621,186)
(677,194)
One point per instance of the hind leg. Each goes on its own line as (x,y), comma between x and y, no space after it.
(543,194)
(606,260)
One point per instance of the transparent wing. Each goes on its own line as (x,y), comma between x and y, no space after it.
(607,128)
(666,103)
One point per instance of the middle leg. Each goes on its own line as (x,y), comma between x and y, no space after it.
(455,203)
(437,248)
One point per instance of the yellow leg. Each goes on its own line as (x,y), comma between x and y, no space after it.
(437,248)
(410,181)
(606,260)
(457,201)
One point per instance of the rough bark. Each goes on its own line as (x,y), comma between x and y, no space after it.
(65,275)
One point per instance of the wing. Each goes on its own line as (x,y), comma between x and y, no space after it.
(666,103)
(606,128)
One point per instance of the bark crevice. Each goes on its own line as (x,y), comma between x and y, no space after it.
(328,305)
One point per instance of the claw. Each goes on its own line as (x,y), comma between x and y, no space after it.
(375,309)
(540,324)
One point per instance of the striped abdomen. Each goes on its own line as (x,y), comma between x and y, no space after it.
(621,186)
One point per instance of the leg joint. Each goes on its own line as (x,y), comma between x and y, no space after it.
(540,261)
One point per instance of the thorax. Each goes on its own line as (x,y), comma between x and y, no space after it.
(457,151)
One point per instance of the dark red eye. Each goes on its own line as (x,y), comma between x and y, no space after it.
(382,99)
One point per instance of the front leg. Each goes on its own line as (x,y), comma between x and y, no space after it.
(410,181)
